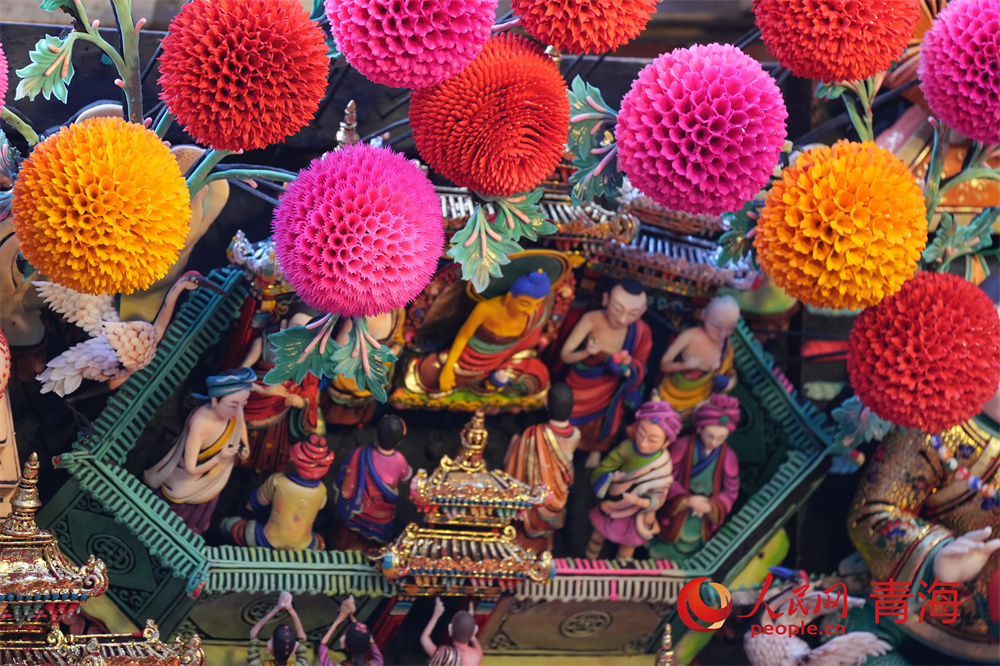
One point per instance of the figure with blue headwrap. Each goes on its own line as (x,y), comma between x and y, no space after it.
(195,470)
(495,348)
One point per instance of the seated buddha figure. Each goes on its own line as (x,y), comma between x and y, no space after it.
(700,361)
(494,351)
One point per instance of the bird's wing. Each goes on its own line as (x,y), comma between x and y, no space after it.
(133,341)
(847,650)
(91,359)
(85,310)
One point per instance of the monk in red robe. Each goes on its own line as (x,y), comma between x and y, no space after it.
(606,374)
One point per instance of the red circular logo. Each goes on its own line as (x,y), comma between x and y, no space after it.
(695,613)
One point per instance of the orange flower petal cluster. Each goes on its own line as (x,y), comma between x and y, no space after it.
(836,40)
(584,27)
(499,126)
(844,226)
(243,74)
(101,207)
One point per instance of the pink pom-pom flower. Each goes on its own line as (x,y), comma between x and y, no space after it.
(701,129)
(410,44)
(960,68)
(5,365)
(3,77)
(359,232)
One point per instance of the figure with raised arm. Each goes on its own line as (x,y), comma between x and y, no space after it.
(195,470)
(700,361)
(368,486)
(295,498)
(543,454)
(607,352)
(285,647)
(357,643)
(706,481)
(631,483)
(465,650)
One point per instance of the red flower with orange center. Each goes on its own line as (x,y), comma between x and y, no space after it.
(499,126)
(243,74)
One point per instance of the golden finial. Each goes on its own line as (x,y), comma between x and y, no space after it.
(347,135)
(474,436)
(554,53)
(665,657)
(24,503)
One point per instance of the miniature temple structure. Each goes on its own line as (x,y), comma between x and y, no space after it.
(469,546)
(41,588)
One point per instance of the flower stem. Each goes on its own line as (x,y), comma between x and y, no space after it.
(247,174)
(932,186)
(984,173)
(21,126)
(197,180)
(862,125)
(131,73)
(165,122)
(501,27)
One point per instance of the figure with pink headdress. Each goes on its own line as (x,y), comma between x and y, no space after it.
(706,481)
(632,482)
(295,498)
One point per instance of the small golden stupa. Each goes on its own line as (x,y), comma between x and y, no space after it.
(40,587)
(471,548)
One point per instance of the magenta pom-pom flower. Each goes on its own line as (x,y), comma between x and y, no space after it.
(410,44)
(359,232)
(701,129)
(960,68)
(3,77)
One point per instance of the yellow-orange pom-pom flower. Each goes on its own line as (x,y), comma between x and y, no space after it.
(844,226)
(101,207)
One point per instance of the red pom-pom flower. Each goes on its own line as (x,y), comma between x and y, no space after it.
(243,74)
(836,40)
(927,357)
(584,27)
(499,126)
(359,232)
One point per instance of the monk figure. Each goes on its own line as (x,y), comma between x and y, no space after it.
(706,481)
(495,348)
(927,510)
(607,352)
(197,467)
(631,483)
(700,361)
(295,498)
(544,454)
(343,402)
(466,650)
(368,487)
(278,414)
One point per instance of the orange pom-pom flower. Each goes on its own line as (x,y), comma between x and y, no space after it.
(499,126)
(836,40)
(584,27)
(844,226)
(101,207)
(243,74)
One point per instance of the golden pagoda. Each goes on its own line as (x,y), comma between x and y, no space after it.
(40,587)
(470,547)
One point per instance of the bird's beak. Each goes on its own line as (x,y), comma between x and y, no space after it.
(208,284)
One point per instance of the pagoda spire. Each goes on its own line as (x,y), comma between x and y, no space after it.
(24,503)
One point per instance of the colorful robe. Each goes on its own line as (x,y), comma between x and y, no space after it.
(486,353)
(909,505)
(601,392)
(536,458)
(715,476)
(650,476)
(364,500)
(685,389)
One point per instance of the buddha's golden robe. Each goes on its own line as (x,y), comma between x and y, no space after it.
(908,505)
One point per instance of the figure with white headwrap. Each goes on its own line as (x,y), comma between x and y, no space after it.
(706,481)
(632,482)
(195,470)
